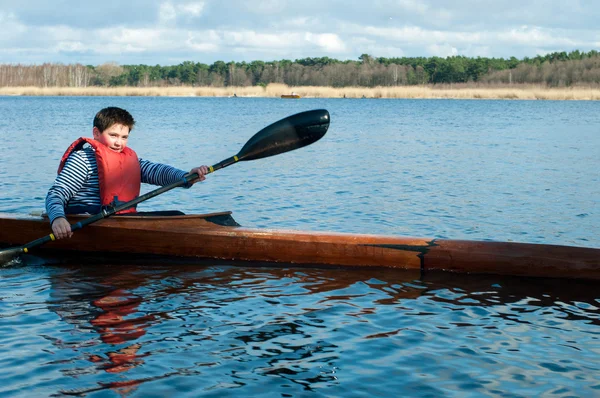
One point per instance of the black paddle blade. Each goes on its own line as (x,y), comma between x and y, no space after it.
(291,133)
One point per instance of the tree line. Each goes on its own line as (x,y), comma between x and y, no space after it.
(558,69)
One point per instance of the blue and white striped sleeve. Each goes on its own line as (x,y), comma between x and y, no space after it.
(70,180)
(160,174)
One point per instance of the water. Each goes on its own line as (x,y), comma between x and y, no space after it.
(485,170)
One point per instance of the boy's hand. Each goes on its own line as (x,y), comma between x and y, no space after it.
(61,228)
(202,171)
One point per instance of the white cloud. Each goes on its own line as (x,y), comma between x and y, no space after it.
(266,6)
(137,38)
(71,46)
(203,47)
(483,43)
(414,34)
(436,15)
(245,30)
(208,42)
(296,22)
(166,13)
(261,40)
(60,33)
(417,6)
(443,50)
(124,41)
(193,9)
(388,51)
(477,51)
(327,41)
(534,35)
(10,26)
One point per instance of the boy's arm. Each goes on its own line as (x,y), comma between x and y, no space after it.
(160,174)
(67,184)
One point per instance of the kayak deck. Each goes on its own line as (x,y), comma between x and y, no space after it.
(218,236)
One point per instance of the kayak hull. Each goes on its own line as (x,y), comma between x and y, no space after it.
(218,236)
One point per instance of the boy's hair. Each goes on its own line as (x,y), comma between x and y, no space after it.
(112,115)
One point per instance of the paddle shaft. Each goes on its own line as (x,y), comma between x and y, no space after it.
(109,211)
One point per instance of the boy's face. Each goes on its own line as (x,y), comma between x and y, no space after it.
(115,137)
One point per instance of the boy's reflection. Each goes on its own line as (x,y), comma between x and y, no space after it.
(116,326)
(102,300)
(106,299)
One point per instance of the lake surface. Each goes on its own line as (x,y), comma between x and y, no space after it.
(524,171)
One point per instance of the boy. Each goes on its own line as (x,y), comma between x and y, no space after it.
(105,173)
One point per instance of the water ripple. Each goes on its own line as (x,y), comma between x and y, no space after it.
(485,170)
(79,330)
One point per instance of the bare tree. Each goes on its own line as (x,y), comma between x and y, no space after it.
(107,71)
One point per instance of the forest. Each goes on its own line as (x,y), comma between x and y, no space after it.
(557,69)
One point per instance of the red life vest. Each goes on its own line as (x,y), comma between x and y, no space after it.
(119,173)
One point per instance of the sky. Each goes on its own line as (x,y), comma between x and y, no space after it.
(168,32)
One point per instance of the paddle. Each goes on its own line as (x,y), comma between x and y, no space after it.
(291,133)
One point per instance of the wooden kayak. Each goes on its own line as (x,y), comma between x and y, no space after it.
(291,96)
(218,236)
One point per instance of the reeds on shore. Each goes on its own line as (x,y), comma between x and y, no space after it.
(457,91)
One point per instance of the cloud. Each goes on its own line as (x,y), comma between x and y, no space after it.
(264,6)
(194,9)
(208,42)
(443,50)
(327,42)
(137,40)
(71,46)
(259,40)
(168,12)
(414,34)
(534,35)
(10,27)
(160,31)
(300,22)
(60,33)
(417,6)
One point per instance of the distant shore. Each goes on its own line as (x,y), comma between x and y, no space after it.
(464,91)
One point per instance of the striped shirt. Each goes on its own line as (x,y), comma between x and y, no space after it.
(78,186)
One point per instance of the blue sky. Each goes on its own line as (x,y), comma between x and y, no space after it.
(169,32)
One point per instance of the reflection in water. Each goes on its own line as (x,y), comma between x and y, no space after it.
(113,315)
(116,328)
(288,331)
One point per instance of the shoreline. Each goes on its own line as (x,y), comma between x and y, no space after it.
(464,91)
